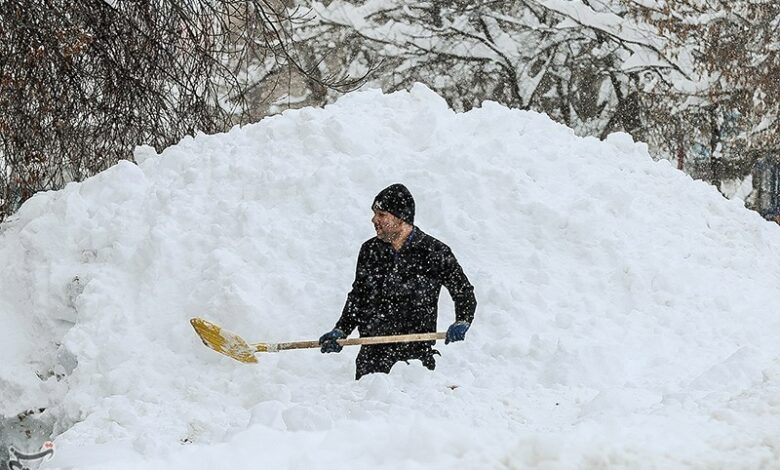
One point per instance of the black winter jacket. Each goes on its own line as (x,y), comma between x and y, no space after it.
(398,292)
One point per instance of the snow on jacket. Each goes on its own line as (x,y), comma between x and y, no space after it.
(398,292)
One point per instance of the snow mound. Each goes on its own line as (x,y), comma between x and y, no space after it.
(625,311)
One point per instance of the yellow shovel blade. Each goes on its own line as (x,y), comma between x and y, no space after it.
(224,342)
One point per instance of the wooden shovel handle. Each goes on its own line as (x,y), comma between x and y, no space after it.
(354,341)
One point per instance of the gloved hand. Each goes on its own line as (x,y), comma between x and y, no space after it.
(457,331)
(328,342)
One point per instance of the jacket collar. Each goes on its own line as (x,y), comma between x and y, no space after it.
(414,239)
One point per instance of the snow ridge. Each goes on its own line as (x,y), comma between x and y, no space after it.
(625,311)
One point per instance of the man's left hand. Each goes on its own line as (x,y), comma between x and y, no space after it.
(457,331)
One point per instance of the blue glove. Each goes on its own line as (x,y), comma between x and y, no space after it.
(328,342)
(457,331)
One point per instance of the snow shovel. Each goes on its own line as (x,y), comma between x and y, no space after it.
(232,345)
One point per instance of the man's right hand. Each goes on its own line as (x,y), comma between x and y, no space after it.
(328,342)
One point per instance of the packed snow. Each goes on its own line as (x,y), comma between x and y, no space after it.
(626,312)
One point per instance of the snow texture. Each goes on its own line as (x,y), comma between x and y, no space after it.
(626,312)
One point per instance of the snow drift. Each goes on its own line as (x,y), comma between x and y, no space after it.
(625,311)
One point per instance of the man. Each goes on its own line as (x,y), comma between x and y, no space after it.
(396,290)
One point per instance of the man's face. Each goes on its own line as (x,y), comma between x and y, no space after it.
(387,226)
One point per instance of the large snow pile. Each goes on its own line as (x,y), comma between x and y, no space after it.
(626,313)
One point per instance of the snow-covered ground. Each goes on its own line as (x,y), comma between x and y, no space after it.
(626,313)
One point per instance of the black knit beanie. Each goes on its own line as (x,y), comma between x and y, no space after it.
(397,200)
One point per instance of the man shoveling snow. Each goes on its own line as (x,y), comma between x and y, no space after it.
(398,279)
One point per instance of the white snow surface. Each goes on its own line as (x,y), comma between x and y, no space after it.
(626,313)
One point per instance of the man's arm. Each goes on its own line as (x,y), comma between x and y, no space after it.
(357,299)
(459,287)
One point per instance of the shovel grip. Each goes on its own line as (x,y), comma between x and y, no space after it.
(359,341)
